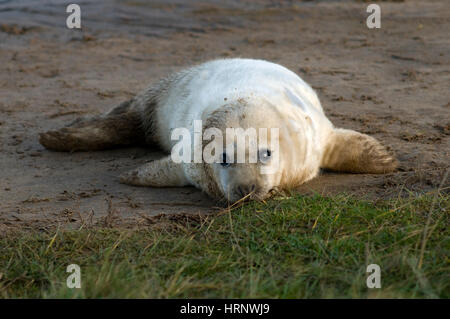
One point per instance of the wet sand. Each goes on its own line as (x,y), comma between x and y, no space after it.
(391,83)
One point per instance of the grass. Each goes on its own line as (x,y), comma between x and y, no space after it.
(299,247)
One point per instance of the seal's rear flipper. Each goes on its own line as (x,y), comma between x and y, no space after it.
(353,152)
(119,127)
(159,173)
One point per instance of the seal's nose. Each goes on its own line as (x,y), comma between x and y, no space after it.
(244,190)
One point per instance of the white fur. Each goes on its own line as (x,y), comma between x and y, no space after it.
(203,89)
(234,93)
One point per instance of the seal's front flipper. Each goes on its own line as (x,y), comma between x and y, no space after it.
(353,152)
(159,173)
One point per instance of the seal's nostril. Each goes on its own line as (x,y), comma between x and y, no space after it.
(240,191)
(244,190)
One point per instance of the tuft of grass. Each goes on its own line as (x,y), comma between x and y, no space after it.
(297,247)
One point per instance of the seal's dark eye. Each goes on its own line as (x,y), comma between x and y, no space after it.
(264,155)
(224,161)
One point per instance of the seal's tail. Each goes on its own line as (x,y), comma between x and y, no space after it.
(121,126)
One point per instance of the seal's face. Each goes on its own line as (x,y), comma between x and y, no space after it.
(262,154)
(248,180)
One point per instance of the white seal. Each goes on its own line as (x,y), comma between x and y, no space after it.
(229,93)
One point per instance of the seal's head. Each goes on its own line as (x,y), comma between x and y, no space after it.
(260,150)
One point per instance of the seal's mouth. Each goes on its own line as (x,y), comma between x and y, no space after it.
(254,195)
(259,197)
